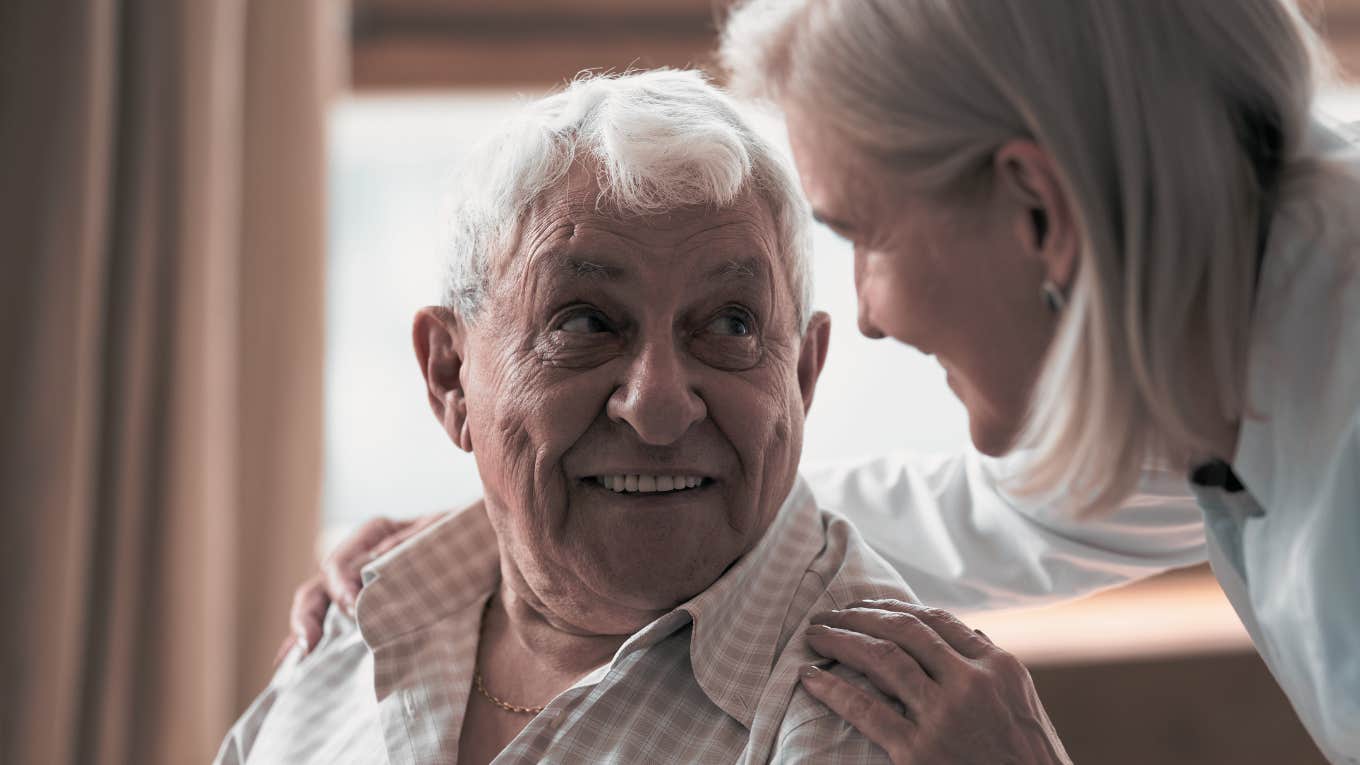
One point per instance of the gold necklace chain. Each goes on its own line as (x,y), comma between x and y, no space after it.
(481,688)
(477,681)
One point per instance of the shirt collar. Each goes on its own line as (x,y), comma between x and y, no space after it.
(452,565)
(738,620)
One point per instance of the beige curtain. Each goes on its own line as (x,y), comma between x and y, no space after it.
(161,264)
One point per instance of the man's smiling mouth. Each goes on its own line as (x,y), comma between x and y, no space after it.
(649,484)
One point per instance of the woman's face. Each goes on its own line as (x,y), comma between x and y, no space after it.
(958,280)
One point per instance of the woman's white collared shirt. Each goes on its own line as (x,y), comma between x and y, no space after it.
(1286,550)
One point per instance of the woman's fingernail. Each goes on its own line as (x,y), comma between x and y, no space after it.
(811,671)
(816,630)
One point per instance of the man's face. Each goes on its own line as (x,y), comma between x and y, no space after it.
(618,361)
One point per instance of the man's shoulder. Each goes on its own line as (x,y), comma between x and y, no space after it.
(839,565)
(850,569)
(313,705)
(843,571)
(810,732)
(338,669)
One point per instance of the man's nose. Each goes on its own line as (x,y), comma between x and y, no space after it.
(866,324)
(656,399)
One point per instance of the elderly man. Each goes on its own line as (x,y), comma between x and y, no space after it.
(626,348)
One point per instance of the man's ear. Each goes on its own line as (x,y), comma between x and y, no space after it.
(1044,220)
(439,341)
(812,358)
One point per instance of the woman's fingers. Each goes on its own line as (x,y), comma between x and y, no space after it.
(906,630)
(387,544)
(874,718)
(309,610)
(341,568)
(980,705)
(340,580)
(407,530)
(958,635)
(886,665)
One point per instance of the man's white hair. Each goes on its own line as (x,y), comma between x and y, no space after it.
(658,140)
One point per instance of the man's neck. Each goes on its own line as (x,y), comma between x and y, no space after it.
(524,660)
(516,626)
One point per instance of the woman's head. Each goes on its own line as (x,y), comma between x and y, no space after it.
(977,150)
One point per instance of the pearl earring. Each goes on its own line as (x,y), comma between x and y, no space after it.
(1053,297)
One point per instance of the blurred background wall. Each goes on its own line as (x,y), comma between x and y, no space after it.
(218,218)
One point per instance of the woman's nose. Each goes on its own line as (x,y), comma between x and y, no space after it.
(866,325)
(656,399)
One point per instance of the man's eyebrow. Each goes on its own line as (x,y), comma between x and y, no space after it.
(589,269)
(736,268)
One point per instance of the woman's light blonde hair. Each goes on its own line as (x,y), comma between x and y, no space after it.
(1173,123)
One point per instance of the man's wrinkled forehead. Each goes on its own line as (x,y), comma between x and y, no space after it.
(567,224)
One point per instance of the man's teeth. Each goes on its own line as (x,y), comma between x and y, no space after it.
(648,484)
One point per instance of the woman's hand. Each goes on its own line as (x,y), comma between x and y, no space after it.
(339,579)
(966,700)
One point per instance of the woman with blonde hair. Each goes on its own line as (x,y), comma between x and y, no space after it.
(1125,234)
(1135,248)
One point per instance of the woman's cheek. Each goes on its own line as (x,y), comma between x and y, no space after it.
(883,311)
(883,296)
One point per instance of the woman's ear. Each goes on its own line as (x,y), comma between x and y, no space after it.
(439,343)
(1044,219)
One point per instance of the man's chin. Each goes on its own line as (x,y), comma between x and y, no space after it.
(659,582)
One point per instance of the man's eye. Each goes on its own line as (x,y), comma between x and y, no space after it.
(585,324)
(732,323)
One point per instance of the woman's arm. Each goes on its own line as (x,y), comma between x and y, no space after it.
(963,543)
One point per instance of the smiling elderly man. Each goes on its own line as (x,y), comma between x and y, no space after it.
(626,348)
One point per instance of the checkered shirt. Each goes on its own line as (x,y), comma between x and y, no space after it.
(713,681)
